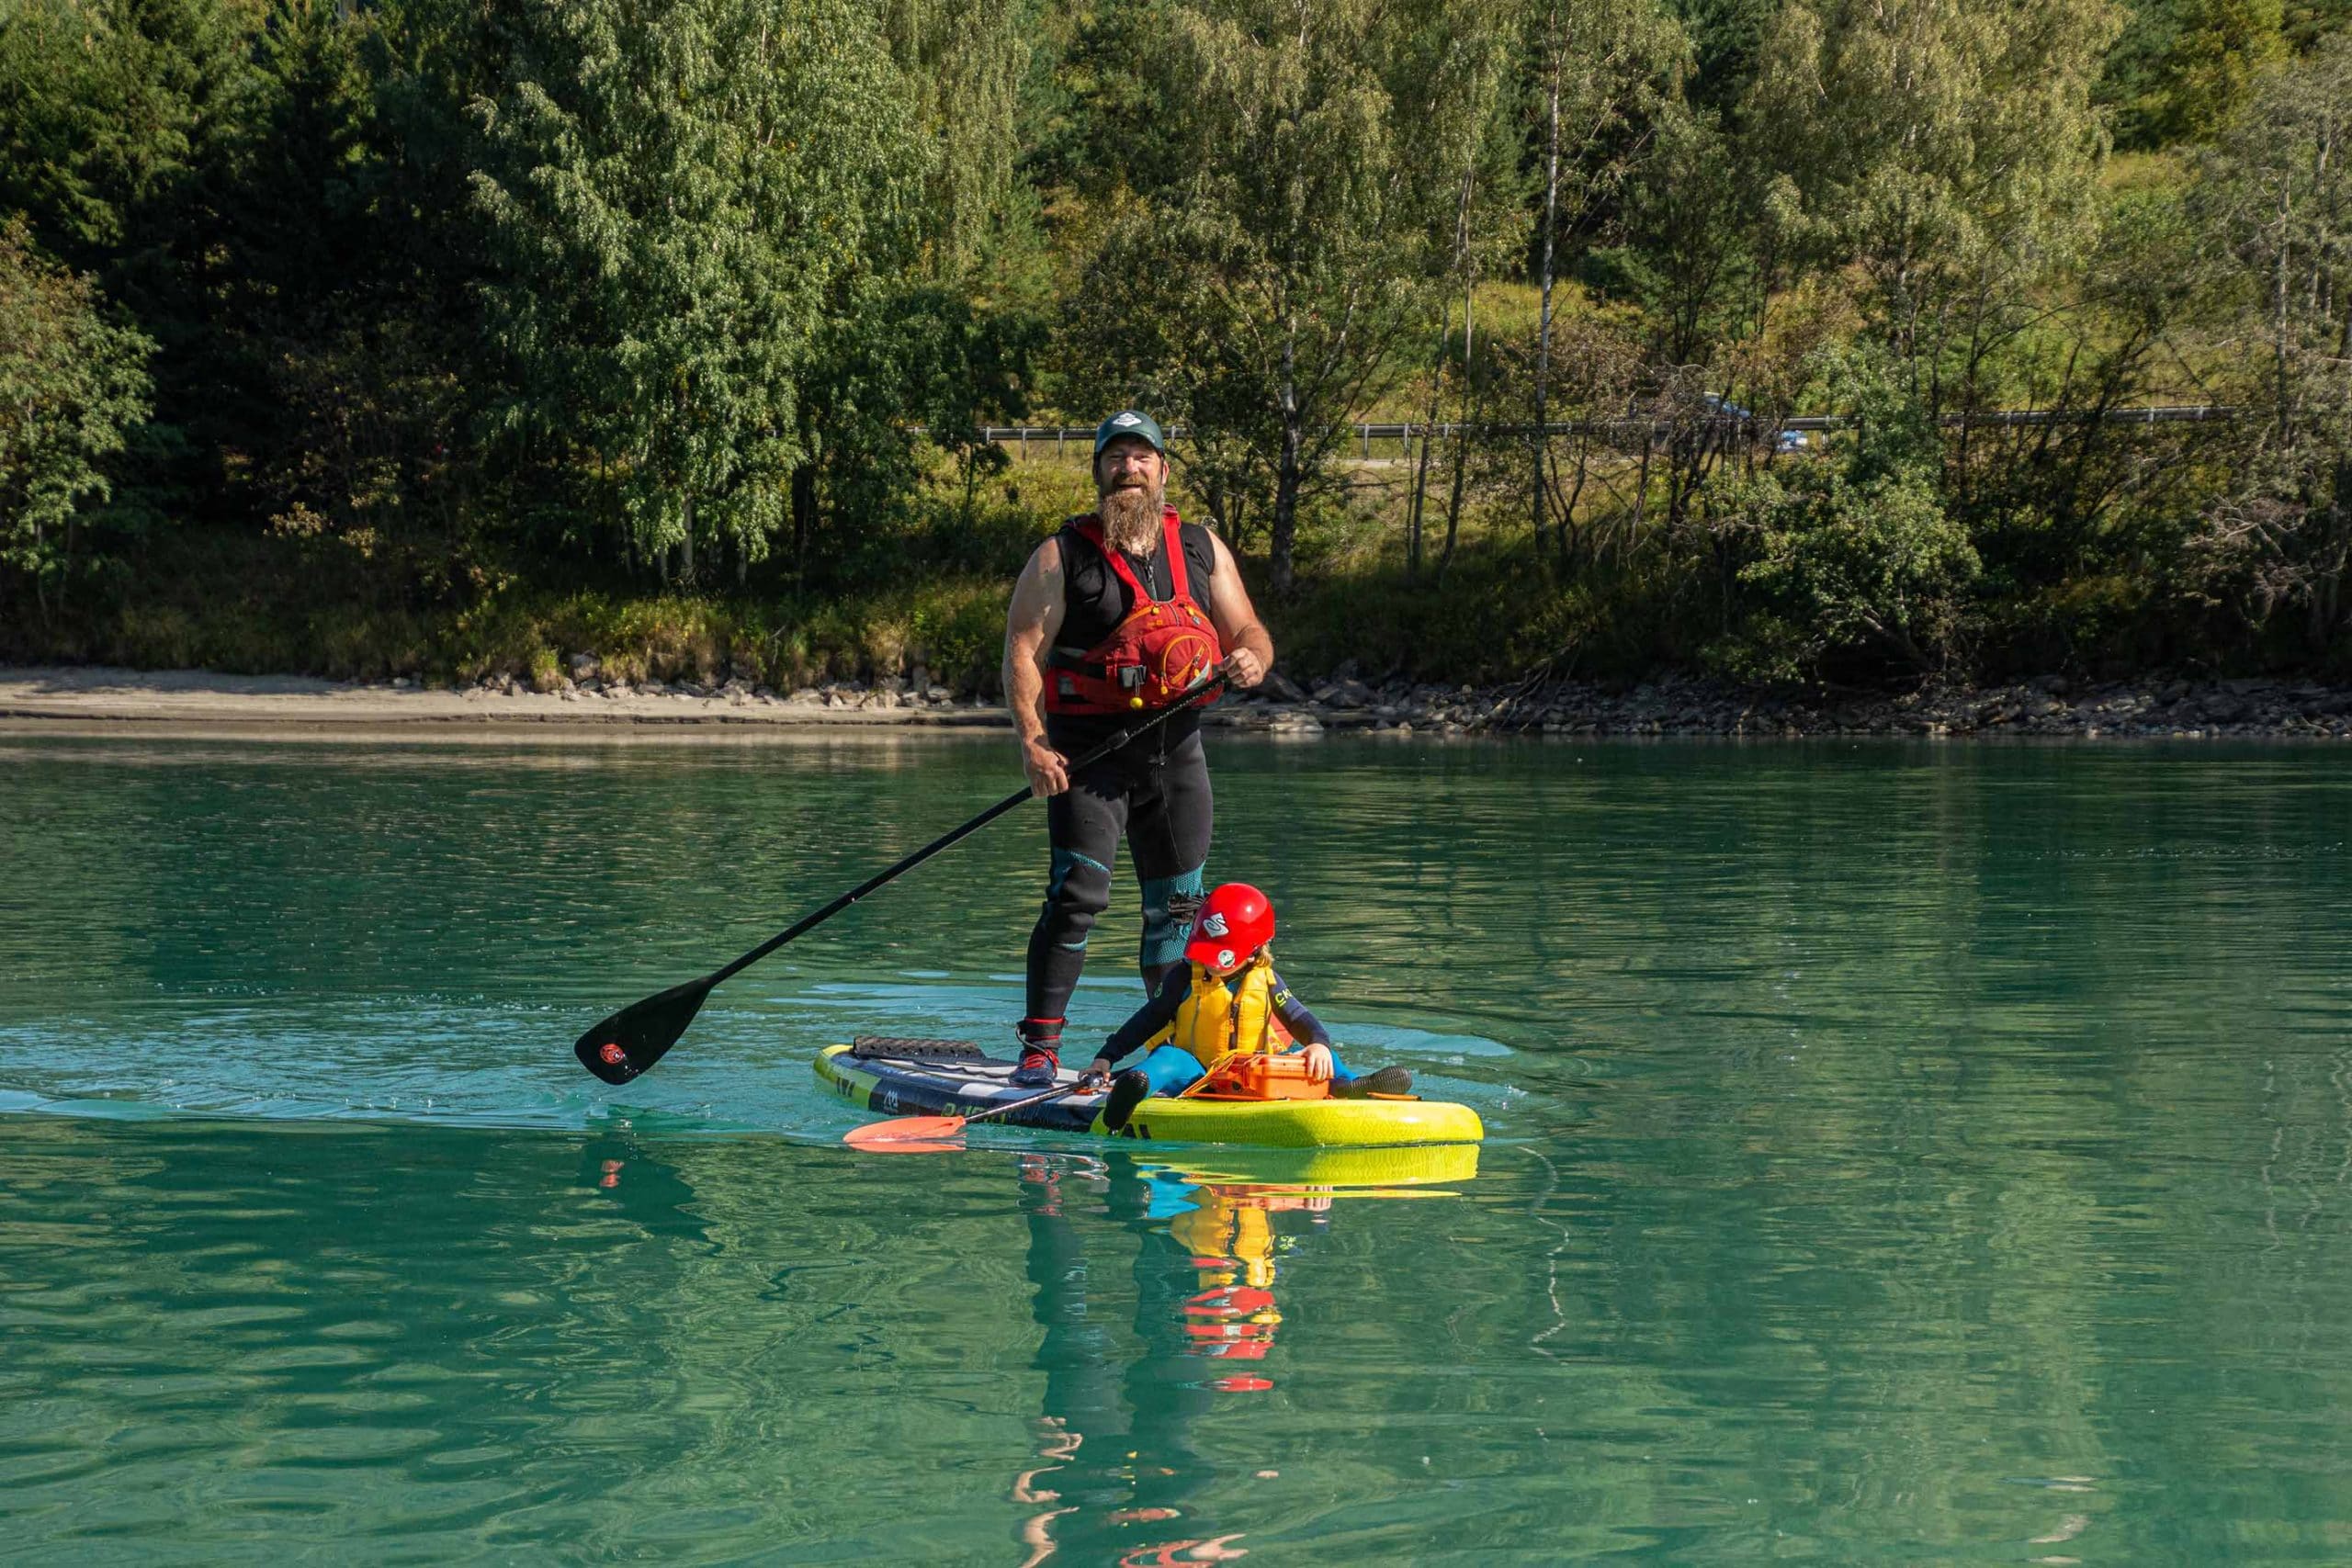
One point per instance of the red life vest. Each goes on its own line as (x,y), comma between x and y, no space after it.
(1162,647)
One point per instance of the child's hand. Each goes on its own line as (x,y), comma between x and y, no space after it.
(1318,1063)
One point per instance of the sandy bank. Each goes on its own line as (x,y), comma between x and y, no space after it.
(37,697)
(59,700)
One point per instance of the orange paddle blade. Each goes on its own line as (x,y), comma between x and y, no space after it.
(909,1135)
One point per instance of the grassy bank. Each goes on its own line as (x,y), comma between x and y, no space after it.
(928,592)
(256,607)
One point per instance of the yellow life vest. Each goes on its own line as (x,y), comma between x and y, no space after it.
(1213,1022)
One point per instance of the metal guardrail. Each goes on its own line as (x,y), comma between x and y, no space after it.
(1062,437)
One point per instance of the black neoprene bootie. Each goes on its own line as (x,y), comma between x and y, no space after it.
(1387,1080)
(1127,1091)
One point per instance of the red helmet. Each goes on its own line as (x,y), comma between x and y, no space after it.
(1234,922)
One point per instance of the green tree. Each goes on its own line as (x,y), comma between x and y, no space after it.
(2224,46)
(2310,23)
(124,127)
(2182,69)
(1484,234)
(1690,255)
(1946,148)
(1855,552)
(1725,37)
(72,383)
(965,63)
(1602,69)
(2277,195)
(1269,247)
(107,107)
(674,191)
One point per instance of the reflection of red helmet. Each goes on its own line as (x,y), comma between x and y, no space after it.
(1234,922)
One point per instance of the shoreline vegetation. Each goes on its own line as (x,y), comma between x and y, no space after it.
(85,700)
(429,340)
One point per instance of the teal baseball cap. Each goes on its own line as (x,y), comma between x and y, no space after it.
(1130,421)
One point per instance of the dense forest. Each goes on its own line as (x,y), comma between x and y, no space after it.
(446,337)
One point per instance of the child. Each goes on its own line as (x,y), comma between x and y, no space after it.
(1223,1001)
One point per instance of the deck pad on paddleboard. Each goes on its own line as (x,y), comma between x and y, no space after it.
(897,1077)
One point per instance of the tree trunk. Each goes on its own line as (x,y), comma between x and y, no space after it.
(1539,500)
(1571,545)
(1642,489)
(1284,528)
(1414,509)
(2281,332)
(1473,416)
(804,511)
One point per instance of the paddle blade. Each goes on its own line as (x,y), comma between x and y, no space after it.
(909,1135)
(633,1039)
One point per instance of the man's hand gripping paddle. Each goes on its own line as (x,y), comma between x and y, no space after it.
(632,1040)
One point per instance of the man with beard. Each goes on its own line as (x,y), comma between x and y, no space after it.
(1108,619)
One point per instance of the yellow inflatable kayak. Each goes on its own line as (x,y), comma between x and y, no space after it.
(897,1077)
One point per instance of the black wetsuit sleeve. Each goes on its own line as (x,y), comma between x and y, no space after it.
(1304,1026)
(1152,1017)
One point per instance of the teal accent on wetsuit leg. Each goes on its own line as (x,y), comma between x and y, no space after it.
(1068,861)
(1168,906)
(1171,1069)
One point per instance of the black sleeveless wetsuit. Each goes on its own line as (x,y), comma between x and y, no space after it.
(1153,792)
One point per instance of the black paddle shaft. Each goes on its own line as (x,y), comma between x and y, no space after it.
(621,1047)
(995,1110)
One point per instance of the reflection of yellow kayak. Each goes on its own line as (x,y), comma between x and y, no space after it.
(912,1077)
(1278,1170)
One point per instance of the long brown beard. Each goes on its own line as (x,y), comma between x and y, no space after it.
(1131,519)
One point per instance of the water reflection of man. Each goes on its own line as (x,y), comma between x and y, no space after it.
(1116,1445)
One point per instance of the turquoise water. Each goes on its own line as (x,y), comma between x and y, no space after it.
(1899,1154)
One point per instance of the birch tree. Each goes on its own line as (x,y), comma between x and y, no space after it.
(1603,70)
(2277,195)
(1257,274)
(1947,149)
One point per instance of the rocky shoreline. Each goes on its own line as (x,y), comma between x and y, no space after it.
(1345,703)
(2170,708)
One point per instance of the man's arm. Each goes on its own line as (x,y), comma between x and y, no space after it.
(1030,627)
(1249,652)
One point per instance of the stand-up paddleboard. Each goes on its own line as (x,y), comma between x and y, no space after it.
(903,1077)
